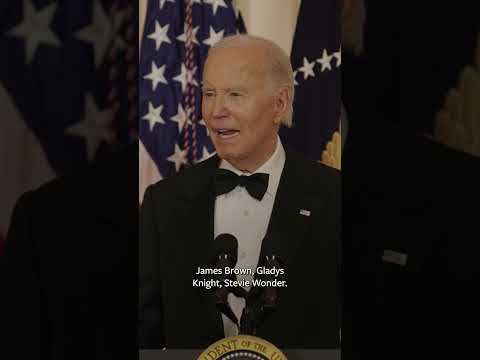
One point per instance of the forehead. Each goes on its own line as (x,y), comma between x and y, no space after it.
(234,64)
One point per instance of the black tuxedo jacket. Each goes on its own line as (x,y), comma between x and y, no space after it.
(68,282)
(176,237)
(418,199)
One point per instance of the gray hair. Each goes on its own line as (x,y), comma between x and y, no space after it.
(277,62)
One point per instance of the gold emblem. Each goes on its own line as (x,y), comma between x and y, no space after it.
(457,124)
(332,155)
(242,347)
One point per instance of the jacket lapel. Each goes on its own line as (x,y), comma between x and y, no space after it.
(198,206)
(287,226)
(287,231)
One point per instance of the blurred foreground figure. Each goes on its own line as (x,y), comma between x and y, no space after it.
(410,203)
(69,272)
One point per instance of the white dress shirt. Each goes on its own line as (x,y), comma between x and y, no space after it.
(247,219)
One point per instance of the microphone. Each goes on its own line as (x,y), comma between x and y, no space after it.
(226,250)
(262,301)
(270,293)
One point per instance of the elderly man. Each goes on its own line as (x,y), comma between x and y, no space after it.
(270,198)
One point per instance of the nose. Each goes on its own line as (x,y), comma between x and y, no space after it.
(219,107)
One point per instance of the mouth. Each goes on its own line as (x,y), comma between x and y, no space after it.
(227,133)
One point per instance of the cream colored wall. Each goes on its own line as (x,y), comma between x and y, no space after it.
(273,19)
(142,11)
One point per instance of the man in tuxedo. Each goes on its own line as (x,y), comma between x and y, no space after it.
(271,199)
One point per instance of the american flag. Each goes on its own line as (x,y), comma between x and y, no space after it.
(176,38)
(68,75)
(316,61)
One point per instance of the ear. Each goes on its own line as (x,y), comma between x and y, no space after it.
(281,102)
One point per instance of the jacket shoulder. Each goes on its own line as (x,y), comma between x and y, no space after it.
(313,171)
(184,182)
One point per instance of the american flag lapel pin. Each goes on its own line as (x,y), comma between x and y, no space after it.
(304,212)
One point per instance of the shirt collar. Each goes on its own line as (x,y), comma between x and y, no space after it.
(273,167)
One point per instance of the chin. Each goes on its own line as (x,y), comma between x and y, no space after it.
(225,152)
(225,155)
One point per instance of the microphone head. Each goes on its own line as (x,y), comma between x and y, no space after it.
(226,245)
(272,254)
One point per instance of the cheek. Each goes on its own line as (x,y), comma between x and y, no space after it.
(205,109)
(258,122)
(245,116)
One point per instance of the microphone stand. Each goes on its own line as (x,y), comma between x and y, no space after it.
(252,314)
(221,293)
(260,302)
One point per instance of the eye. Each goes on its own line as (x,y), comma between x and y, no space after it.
(235,94)
(208,94)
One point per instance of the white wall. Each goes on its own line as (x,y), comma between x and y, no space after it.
(273,19)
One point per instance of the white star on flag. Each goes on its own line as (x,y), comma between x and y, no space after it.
(186,77)
(95,127)
(214,37)
(178,157)
(162,2)
(35,28)
(153,116)
(160,35)
(119,18)
(215,4)
(100,33)
(307,68)
(183,37)
(338,55)
(295,83)
(180,118)
(156,75)
(325,61)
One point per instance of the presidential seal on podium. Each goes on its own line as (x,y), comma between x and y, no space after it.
(242,347)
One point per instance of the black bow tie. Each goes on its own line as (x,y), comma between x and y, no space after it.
(226,181)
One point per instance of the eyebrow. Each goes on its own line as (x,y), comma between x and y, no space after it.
(236,88)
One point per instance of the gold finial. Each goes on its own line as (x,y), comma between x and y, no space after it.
(457,124)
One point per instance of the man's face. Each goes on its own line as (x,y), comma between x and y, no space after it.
(238,106)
